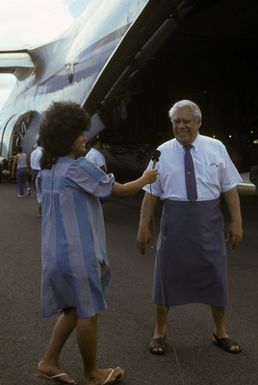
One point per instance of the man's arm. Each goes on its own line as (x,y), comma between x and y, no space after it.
(235,232)
(144,237)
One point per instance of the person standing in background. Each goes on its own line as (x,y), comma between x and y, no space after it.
(21,168)
(95,155)
(35,158)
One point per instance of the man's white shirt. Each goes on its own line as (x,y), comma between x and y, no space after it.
(96,157)
(35,157)
(215,172)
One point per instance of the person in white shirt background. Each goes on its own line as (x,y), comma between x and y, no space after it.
(195,172)
(95,155)
(35,158)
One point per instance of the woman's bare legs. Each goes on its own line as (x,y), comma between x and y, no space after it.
(86,332)
(87,341)
(64,326)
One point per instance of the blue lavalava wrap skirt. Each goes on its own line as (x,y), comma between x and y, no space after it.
(191,265)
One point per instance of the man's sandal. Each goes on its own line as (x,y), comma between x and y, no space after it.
(157,346)
(226,344)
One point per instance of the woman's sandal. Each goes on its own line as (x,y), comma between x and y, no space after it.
(157,346)
(226,344)
(60,377)
(117,378)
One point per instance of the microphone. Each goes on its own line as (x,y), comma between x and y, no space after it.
(155,157)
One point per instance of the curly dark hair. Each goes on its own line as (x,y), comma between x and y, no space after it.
(61,126)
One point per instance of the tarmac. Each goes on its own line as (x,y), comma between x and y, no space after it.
(125,328)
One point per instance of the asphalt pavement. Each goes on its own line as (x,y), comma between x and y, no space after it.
(125,328)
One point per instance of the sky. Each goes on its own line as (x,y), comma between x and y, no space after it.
(26,23)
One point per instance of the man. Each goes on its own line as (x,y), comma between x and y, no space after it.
(35,158)
(194,171)
(95,155)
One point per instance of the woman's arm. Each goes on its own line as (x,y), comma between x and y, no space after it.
(131,188)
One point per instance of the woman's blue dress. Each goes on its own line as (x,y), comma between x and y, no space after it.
(75,266)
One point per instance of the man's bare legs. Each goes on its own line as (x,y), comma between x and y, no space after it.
(157,344)
(161,325)
(218,314)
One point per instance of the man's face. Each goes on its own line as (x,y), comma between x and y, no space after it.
(185,126)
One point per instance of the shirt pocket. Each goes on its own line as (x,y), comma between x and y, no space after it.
(211,172)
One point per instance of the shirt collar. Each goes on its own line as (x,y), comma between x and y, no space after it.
(195,143)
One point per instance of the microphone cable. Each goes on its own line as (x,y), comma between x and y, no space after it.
(165,308)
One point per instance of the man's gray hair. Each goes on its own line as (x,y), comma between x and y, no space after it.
(188,104)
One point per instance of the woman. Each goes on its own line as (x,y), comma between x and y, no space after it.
(75,266)
(21,168)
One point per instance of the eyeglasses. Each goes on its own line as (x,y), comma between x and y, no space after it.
(186,122)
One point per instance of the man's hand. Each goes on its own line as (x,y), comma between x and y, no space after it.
(234,234)
(144,240)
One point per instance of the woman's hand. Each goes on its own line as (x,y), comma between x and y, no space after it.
(150,175)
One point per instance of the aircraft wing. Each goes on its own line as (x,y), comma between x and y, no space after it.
(150,30)
(90,64)
(10,61)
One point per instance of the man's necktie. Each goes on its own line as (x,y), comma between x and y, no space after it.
(190,180)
